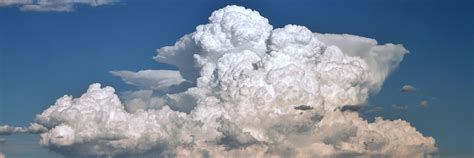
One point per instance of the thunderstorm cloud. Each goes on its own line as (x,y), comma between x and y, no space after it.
(244,79)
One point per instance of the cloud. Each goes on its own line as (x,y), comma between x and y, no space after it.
(160,80)
(157,89)
(34,128)
(53,5)
(407,89)
(424,103)
(247,78)
(381,59)
(2,155)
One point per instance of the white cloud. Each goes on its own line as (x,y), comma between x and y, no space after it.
(381,59)
(248,79)
(34,128)
(424,103)
(159,80)
(407,89)
(2,155)
(14,2)
(53,5)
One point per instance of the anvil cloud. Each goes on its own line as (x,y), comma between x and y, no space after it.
(234,95)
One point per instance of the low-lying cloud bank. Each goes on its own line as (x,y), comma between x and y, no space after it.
(234,95)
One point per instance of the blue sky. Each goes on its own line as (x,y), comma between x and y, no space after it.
(45,55)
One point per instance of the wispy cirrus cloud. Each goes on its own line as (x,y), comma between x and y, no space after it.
(52,5)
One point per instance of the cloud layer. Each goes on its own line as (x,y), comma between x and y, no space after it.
(53,5)
(244,79)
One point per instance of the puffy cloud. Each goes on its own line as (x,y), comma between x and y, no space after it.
(407,88)
(96,124)
(34,128)
(53,5)
(7,130)
(247,80)
(142,100)
(381,59)
(424,103)
(157,88)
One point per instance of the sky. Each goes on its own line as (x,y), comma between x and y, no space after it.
(46,54)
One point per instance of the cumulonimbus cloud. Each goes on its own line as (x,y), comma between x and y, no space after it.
(246,80)
(53,5)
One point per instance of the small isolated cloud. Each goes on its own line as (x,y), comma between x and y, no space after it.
(401,108)
(407,89)
(53,5)
(424,103)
